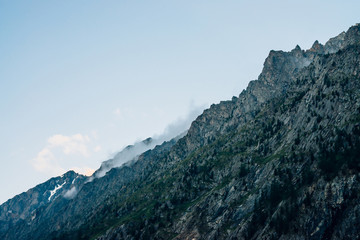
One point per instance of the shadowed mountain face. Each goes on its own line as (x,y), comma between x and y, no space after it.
(23,208)
(281,161)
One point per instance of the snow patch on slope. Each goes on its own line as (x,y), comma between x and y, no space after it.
(53,192)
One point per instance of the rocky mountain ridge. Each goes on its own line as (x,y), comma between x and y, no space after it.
(23,206)
(281,161)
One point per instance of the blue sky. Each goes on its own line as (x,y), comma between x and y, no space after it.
(82,79)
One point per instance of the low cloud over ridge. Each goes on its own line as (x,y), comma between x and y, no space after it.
(131,152)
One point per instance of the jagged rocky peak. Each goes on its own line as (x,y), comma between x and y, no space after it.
(296,49)
(317,47)
(70,175)
(350,37)
(279,62)
(335,43)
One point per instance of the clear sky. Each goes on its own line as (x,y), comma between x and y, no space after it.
(82,79)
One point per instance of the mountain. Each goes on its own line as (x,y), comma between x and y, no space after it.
(24,208)
(127,154)
(281,161)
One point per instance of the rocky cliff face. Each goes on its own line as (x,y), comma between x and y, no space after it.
(281,161)
(24,207)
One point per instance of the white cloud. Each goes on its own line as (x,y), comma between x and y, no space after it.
(75,144)
(60,151)
(46,162)
(71,193)
(127,154)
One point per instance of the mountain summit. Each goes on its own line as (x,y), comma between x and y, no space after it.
(281,161)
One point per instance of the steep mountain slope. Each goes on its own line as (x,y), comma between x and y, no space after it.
(271,163)
(281,161)
(126,155)
(23,207)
